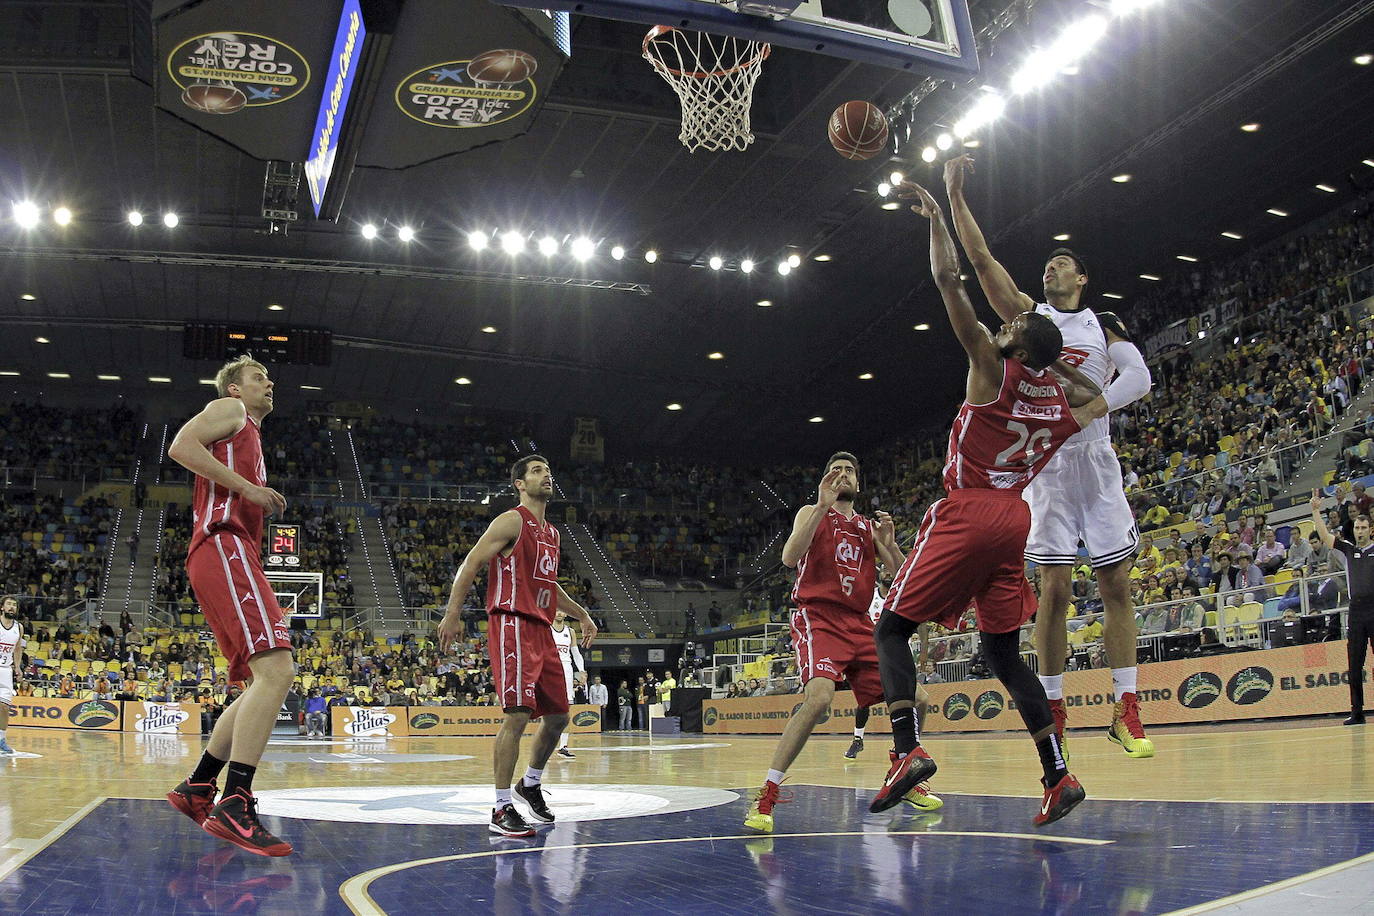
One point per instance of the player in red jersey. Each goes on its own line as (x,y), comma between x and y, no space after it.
(969,547)
(221,446)
(520,550)
(835,552)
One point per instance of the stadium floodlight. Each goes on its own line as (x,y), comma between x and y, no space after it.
(583,248)
(405,234)
(895,178)
(1074,43)
(794,260)
(944,142)
(512,242)
(716,262)
(134,217)
(369,231)
(548,246)
(784,268)
(651,256)
(746,266)
(170,220)
(928,154)
(477,240)
(26,214)
(618,253)
(62,216)
(884,189)
(1037,71)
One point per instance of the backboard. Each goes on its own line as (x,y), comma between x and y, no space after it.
(930,37)
(300,594)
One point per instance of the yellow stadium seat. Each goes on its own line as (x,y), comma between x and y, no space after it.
(1209,619)
(1247,614)
(83,667)
(1226,443)
(186,618)
(1175,459)
(97,667)
(1281,578)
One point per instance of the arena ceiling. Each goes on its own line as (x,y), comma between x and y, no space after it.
(1161,101)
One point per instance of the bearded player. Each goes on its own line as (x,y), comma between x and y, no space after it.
(1079,495)
(11,639)
(969,547)
(520,550)
(222,446)
(836,553)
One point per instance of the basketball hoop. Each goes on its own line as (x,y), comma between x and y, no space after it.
(713,76)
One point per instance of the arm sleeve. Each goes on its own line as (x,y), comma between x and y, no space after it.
(577,658)
(1133,377)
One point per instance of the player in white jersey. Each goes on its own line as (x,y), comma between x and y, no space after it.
(1079,495)
(11,639)
(571,657)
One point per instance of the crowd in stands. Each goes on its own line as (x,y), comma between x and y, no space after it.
(465,451)
(56,441)
(52,548)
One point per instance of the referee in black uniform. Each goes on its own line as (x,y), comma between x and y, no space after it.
(1359,565)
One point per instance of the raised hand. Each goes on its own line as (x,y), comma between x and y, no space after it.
(910,190)
(829,490)
(955,169)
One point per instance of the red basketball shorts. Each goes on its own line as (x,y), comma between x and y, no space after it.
(525,667)
(969,550)
(237,601)
(838,645)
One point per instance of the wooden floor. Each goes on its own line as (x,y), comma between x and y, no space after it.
(64,789)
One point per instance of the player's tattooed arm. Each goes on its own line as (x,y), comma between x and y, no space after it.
(996,282)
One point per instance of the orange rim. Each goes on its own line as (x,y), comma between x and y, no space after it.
(660,31)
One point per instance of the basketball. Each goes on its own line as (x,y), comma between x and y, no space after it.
(214,99)
(858,130)
(503,65)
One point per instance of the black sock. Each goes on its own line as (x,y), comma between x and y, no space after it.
(208,768)
(904,730)
(920,718)
(1051,758)
(240,779)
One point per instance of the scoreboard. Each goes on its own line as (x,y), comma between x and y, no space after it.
(272,344)
(284,546)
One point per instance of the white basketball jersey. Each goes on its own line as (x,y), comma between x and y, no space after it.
(875,607)
(9,648)
(564,641)
(1085,347)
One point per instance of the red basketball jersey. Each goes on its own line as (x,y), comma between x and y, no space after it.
(840,567)
(1003,444)
(526,582)
(216,510)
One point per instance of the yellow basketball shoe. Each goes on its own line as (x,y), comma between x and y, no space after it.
(760,815)
(1126,729)
(922,799)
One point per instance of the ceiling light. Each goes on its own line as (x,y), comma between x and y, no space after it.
(892,206)
(928,154)
(1122,178)
(716,262)
(134,217)
(160,379)
(764,303)
(1148,277)
(675,406)
(311,388)
(548,246)
(1039,68)
(207,381)
(1070,70)
(1077,40)
(1062,237)
(1112,296)
(822,258)
(488,329)
(1232,235)
(1276,211)
(1327,188)
(866,376)
(1364,60)
(369,231)
(276,307)
(784,268)
(462,380)
(921,327)
(618,253)
(895,178)
(1368,162)
(62,216)
(794,260)
(987,109)
(115,378)
(512,242)
(747,266)
(816,420)
(944,142)
(651,256)
(1251,127)
(715,355)
(583,248)
(1126,7)
(26,214)
(8,372)
(41,340)
(59,375)
(884,189)
(1183,257)
(170,220)
(405,234)
(28,297)
(972,144)
(477,240)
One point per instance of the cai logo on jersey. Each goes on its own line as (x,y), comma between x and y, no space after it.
(546,567)
(847,553)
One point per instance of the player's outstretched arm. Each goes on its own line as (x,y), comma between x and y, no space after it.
(586,626)
(885,542)
(809,519)
(500,534)
(985,360)
(996,282)
(1078,388)
(1133,379)
(221,418)
(1319,523)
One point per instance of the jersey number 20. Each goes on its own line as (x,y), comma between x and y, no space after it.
(1034,443)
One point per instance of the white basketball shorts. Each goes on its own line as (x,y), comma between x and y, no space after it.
(1079,497)
(7,687)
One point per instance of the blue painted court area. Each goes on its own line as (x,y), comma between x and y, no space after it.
(977,855)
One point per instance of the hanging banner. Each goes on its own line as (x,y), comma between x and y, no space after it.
(588,445)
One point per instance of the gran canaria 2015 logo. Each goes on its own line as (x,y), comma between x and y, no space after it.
(989,705)
(957,706)
(1199,689)
(586,717)
(93,714)
(492,87)
(424,720)
(225,72)
(1249,685)
(710,715)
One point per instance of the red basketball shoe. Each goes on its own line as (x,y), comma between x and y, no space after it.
(194,799)
(235,819)
(904,775)
(1061,719)
(1059,800)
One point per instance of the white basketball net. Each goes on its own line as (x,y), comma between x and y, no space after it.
(713,76)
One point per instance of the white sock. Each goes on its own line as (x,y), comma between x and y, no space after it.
(777,776)
(1054,686)
(533,777)
(563,740)
(1123,681)
(503,798)
(858,733)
